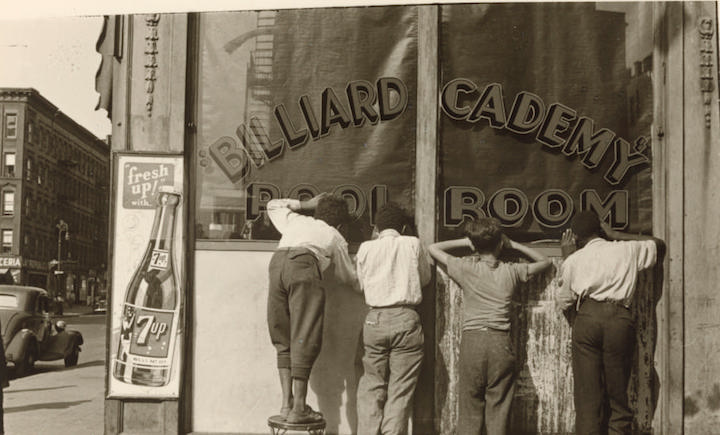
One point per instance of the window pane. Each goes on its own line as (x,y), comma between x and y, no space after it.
(8,203)
(289,109)
(7,240)
(11,125)
(526,87)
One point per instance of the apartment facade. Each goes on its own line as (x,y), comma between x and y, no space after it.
(54,190)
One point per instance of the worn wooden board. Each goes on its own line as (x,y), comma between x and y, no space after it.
(541,335)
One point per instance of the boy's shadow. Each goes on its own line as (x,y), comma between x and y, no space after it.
(337,371)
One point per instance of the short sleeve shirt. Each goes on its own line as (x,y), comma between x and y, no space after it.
(607,270)
(487,290)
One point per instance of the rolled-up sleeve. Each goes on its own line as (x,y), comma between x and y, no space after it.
(565,297)
(521,272)
(344,267)
(280,212)
(646,253)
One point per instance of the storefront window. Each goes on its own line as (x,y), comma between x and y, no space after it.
(546,109)
(297,102)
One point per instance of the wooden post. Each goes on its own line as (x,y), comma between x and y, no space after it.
(425,197)
(148,115)
(668,213)
(700,126)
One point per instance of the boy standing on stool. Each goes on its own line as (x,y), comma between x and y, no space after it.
(392,269)
(487,360)
(296,298)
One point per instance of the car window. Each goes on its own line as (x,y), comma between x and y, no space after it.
(8,301)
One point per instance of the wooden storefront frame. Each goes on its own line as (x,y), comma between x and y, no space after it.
(669,142)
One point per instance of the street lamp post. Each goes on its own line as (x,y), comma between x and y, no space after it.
(62,226)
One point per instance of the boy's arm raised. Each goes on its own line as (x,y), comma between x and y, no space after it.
(540,263)
(437,249)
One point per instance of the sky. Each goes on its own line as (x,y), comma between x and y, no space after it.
(57,57)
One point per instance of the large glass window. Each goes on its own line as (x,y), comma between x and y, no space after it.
(546,109)
(296,102)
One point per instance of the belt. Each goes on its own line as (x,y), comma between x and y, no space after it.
(619,303)
(412,307)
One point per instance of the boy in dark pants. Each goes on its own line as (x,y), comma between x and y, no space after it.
(487,360)
(392,269)
(309,246)
(600,277)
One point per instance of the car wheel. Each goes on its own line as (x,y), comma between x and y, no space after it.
(72,359)
(24,366)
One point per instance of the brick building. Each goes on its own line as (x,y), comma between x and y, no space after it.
(53,197)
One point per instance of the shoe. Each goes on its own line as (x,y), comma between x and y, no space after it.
(306,416)
(283,412)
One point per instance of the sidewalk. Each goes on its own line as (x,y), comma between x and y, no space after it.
(78,310)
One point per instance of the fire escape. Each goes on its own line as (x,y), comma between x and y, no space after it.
(258,111)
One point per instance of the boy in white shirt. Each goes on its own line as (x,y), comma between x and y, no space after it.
(296,297)
(392,269)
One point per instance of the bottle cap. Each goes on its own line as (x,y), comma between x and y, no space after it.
(169,189)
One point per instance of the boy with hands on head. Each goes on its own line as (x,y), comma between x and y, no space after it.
(487,360)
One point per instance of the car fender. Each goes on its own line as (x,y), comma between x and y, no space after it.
(75,339)
(19,345)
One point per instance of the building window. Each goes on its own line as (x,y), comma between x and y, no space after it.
(28,169)
(11,125)
(30,135)
(8,203)
(9,164)
(7,241)
(28,203)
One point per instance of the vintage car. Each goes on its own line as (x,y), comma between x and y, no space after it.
(27,330)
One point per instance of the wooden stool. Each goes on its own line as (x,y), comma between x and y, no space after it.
(278,426)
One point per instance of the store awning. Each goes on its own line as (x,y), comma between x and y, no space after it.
(108,46)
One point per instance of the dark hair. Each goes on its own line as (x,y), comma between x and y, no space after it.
(333,209)
(585,224)
(391,215)
(484,233)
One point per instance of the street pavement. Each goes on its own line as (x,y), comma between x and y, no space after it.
(54,400)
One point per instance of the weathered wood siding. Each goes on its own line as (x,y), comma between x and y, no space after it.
(544,393)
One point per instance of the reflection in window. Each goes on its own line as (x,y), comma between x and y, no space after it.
(273,77)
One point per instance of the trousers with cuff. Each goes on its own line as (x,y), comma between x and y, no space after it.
(393,340)
(603,341)
(295,310)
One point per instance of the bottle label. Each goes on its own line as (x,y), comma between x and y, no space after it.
(151,335)
(159,259)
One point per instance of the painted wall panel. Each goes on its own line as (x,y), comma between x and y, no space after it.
(235,380)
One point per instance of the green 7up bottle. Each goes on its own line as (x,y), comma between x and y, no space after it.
(151,309)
